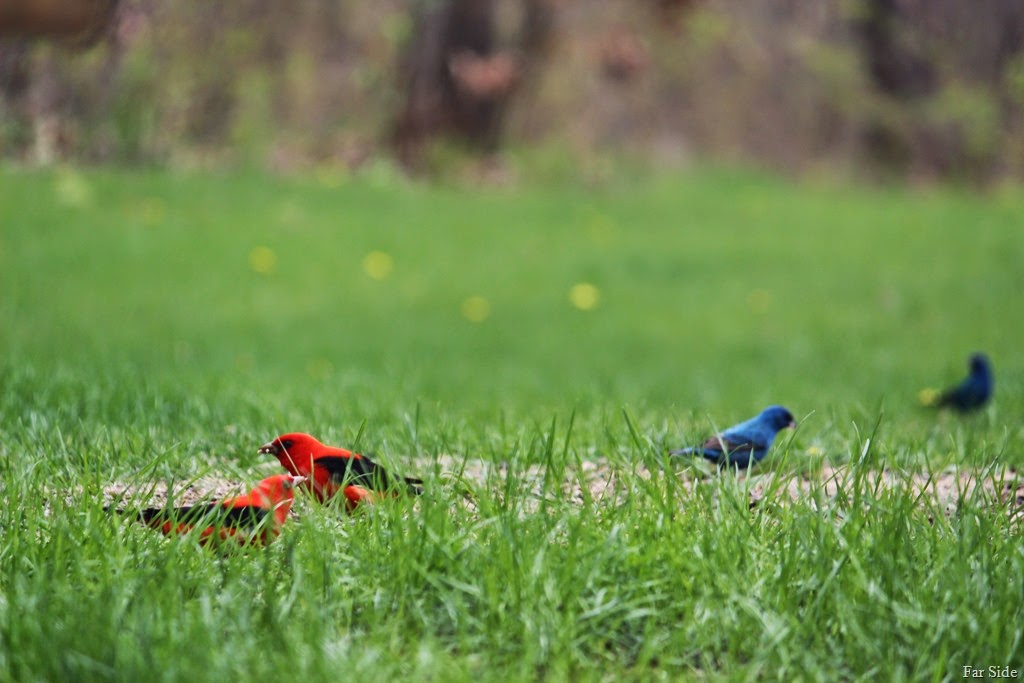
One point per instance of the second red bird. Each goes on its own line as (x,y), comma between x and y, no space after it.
(256,517)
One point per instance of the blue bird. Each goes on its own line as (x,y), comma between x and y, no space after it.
(737,444)
(972,393)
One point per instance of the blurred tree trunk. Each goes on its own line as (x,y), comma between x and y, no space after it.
(914,52)
(457,77)
(894,63)
(897,70)
(32,92)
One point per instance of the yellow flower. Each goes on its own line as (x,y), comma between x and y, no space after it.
(584,296)
(476,309)
(263,260)
(378,264)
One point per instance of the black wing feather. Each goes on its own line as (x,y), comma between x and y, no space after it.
(364,472)
(246,517)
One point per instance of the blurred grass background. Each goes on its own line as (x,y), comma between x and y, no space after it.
(708,293)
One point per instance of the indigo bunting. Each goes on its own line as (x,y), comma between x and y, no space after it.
(739,443)
(974,391)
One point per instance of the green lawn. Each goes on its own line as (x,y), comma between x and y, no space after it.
(159,326)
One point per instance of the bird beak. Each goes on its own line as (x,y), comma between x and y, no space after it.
(271,448)
(791,425)
(298,479)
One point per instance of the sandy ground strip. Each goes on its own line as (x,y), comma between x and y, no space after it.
(601,481)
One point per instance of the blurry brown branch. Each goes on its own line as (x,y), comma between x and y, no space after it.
(77,19)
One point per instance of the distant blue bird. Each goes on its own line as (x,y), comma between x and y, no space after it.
(738,443)
(972,393)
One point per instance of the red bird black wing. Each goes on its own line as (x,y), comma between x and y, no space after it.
(245,518)
(365,473)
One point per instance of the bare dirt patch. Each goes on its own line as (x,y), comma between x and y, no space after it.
(159,494)
(945,490)
(601,481)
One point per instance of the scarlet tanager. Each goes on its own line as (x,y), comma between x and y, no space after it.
(255,518)
(330,470)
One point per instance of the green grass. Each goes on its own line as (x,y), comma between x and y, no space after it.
(139,343)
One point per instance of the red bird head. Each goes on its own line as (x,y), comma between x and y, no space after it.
(294,451)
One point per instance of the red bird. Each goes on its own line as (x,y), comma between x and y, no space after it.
(329,470)
(255,518)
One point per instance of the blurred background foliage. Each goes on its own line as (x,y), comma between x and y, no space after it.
(486,89)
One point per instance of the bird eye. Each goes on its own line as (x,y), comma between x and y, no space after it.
(287,443)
